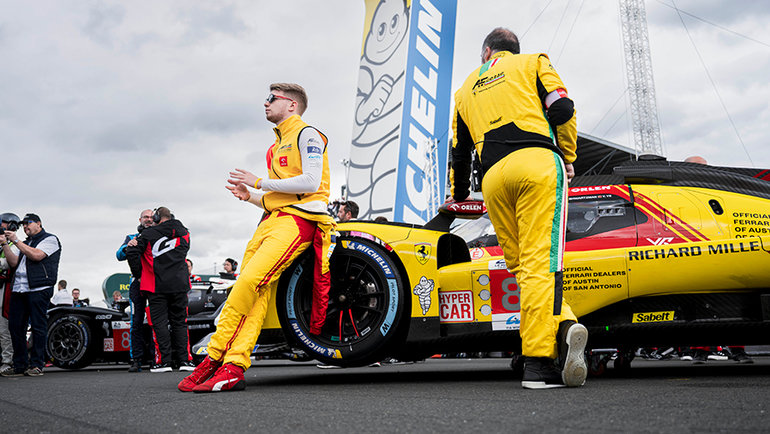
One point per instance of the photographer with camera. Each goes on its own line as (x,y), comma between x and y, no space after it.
(36,266)
(8,222)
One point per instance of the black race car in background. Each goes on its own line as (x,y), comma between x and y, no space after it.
(79,336)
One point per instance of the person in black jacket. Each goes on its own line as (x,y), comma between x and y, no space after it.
(158,261)
(36,265)
(138,302)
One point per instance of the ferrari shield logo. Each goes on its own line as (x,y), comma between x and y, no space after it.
(422,252)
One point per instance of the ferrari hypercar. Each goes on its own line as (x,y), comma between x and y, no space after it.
(659,253)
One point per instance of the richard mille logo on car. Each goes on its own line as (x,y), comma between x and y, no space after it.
(679,252)
(660,241)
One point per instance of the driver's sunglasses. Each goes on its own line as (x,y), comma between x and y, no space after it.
(273,97)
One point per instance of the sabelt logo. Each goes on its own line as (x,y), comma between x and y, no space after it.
(653,317)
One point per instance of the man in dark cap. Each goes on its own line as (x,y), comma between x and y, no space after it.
(36,264)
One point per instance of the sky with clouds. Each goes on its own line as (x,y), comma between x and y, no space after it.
(108,108)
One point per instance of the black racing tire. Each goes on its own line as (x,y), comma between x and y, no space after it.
(367,302)
(70,343)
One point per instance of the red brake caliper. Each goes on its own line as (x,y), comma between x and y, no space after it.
(350,312)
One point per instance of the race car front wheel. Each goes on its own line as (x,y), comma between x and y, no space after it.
(70,342)
(366,304)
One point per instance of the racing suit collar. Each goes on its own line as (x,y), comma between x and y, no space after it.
(500,54)
(288,124)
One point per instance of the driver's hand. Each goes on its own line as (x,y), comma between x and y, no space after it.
(244,177)
(570,172)
(239,190)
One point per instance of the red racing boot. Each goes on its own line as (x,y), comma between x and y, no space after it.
(227,377)
(202,372)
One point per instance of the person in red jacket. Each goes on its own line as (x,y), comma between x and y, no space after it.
(158,261)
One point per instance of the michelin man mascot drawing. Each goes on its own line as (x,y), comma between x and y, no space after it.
(374,153)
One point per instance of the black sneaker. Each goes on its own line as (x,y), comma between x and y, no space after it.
(136,366)
(187,366)
(541,373)
(742,358)
(572,339)
(161,367)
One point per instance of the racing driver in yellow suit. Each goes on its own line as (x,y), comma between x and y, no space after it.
(295,197)
(514,110)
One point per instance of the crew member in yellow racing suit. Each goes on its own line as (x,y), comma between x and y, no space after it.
(295,199)
(515,112)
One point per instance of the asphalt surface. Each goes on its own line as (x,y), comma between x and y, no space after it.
(440,395)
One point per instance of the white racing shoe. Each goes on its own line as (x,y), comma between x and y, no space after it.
(572,344)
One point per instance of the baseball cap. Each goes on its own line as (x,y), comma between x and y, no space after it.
(30,217)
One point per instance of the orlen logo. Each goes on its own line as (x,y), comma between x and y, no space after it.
(590,189)
(467,207)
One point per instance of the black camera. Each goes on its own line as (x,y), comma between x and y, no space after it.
(12,220)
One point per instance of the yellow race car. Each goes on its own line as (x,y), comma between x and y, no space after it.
(659,253)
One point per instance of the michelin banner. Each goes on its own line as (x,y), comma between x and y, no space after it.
(401,134)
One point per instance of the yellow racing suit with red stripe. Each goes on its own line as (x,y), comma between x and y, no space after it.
(292,223)
(514,112)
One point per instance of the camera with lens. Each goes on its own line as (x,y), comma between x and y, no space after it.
(12,220)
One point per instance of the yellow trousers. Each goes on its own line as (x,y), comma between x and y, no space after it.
(278,240)
(526,197)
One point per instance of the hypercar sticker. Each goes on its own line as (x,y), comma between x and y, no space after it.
(456,306)
(423,290)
